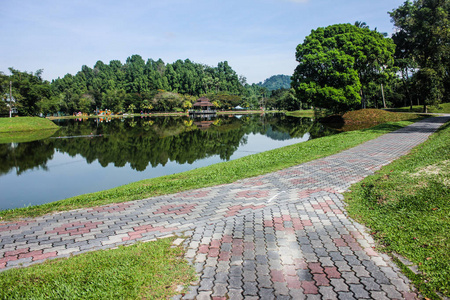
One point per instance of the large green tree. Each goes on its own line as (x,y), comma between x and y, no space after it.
(423,47)
(28,90)
(337,63)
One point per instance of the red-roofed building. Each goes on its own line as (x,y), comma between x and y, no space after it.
(203,106)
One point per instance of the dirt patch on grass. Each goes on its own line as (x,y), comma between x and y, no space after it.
(440,172)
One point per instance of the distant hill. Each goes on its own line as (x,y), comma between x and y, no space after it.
(276,82)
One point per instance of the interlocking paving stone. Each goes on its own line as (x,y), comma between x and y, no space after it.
(283,235)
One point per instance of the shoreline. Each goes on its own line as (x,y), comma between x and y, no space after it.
(221,173)
(164,114)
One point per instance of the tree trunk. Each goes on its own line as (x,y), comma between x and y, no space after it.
(363,99)
(10,99)
(382,93)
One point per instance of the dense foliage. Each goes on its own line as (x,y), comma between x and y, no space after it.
(423,50)
(338,63)
(153,85)
(345,66)
(131,87)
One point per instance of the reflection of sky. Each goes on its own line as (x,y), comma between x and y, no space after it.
(68,176)
(259,143)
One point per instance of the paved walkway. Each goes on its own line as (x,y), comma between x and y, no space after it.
(281,235)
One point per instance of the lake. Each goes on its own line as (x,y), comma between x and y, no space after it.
(89,155)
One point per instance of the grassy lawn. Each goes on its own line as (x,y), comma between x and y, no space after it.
(25,129)
(442,108)
(17,124)
(142,271)
(302,113)
(221,173)
(406,205)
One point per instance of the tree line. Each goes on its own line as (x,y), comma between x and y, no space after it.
(347,66)
(136,85)
(340,67)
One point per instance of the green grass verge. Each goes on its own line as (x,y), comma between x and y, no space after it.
(441,108)
(18,124)
(302,113)
(406,205)
(220,173)
(141,271)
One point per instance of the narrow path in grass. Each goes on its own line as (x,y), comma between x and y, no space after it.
(282,234)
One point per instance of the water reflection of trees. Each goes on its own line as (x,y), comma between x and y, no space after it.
(25,156)
(154,141)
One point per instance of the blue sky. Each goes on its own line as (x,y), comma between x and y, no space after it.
(257,37)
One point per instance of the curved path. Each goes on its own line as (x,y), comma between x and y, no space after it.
(283,235)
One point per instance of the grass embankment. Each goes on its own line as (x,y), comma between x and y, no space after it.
(220,173)
(141,271)
(25,124)
(406,205)
(25,129)
(302,113)
(363,118)
(443,108)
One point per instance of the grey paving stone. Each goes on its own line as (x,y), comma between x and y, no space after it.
(327,293)
(235,271)
(391,292)
(346,296)
(350,277)
(235,294)
(313,297)
(19,262)
(352,260)
(336,256)
(250,288)
(235,282)
(360,271)
(221,277)
(249,276)
(280,289)
(378,295)
(266,294)
(206,284)
(370,284)
(304,275)
(359,291)
(204,295)
(220,290)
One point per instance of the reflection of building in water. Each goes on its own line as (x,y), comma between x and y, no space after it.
(203,121)
(203,106)
(202,125)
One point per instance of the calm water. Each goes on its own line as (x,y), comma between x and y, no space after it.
(93,155)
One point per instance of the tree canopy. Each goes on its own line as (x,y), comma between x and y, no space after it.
(337,63)
(423,47)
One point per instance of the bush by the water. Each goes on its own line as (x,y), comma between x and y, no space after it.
(368,115)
